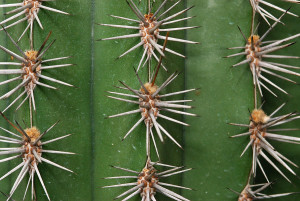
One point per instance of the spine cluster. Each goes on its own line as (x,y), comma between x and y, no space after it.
(263,129)
(28,145)
(149,99)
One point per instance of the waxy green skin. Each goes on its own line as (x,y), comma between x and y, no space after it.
(225,96)
(70,105)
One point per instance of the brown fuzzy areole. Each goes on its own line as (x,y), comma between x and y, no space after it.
(151,89)
(35,7)
(252,48)
(148,17)
(245,199)
(29,71)
(33,133)
(259,116)
(255,39)
(145,32)
(148,178)
(31,54)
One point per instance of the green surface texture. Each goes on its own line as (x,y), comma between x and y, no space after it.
(225,95)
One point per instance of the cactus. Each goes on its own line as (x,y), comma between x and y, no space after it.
(224,96)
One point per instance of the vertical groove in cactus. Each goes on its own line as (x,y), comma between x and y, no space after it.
(225,96)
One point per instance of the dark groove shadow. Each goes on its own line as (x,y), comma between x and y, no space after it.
(92,116)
